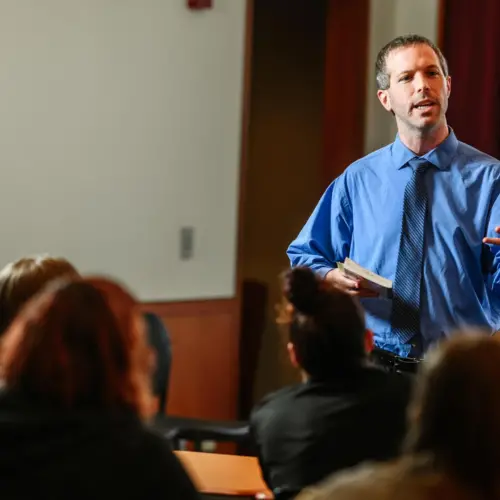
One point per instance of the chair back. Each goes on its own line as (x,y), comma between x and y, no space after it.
(159,340)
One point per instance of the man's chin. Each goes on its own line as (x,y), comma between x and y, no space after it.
(427,123)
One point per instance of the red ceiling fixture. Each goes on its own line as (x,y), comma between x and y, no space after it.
(199,4)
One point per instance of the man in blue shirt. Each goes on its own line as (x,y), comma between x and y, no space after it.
(420,211)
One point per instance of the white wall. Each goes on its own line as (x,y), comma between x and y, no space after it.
(389,19)
(120,123)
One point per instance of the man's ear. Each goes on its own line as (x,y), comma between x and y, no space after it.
(369,341)
(292,355)
(448,85)
(385,100)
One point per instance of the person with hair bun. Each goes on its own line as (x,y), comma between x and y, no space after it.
(345,410)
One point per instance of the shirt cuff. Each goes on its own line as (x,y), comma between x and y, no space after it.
(323,271)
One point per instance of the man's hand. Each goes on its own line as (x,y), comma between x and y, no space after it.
(493,241)
(350,286)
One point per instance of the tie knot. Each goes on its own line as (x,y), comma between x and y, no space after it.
(419,165)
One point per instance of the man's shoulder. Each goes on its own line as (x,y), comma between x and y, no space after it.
(276,399)
(273,411)
(477,166)
(476,157)
(391,387)
(361,168)
(370,161)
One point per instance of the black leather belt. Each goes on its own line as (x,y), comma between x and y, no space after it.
(394,363)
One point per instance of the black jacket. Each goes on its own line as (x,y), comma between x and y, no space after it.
(307,431)
(51,454)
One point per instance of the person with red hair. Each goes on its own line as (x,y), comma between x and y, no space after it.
(76,369)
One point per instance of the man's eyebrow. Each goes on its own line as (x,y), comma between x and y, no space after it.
(430,66)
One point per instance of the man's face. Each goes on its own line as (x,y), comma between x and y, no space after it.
(418,91)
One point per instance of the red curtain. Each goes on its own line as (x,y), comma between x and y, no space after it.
(471,43)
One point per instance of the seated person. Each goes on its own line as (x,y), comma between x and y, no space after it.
(76,368)
(24,278)
(345,410)
(453,444)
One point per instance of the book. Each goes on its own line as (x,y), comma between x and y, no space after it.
(369,279)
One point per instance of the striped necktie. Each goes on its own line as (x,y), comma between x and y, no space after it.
(405,320)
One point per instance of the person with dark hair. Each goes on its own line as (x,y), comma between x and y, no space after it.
(421,212)
(76,369)
(345,410)
(24,278)
(452,449)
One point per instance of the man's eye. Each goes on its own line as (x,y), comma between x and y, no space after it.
(404,78)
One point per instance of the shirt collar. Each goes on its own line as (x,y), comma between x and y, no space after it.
(441,156)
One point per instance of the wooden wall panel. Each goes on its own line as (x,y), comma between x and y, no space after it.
(347,29)
(204,376)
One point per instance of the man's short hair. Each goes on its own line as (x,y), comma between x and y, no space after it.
(381,75)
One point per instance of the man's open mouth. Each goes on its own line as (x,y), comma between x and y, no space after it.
(424,104)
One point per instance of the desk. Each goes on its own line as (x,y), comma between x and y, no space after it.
(224,474)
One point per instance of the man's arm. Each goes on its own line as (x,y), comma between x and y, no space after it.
(491,239)
(326,238)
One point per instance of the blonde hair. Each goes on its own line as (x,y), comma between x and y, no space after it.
(24,278)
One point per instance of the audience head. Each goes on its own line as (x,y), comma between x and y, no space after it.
(21,280)
(80,344)
(455,415)
(326,328)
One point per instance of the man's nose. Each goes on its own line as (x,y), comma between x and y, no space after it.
(421,82)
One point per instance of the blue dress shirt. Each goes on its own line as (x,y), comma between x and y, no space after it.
(359,216)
